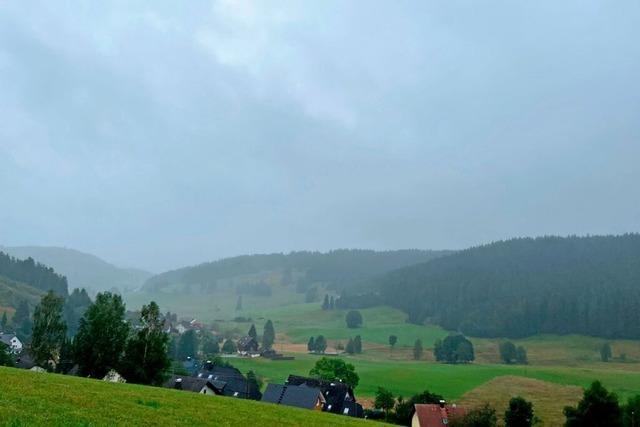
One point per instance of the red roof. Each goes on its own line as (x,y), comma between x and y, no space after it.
(430,415)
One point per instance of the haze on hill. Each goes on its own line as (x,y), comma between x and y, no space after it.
(160,136)
(82,270)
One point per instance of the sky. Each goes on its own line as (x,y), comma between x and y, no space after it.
(161,134)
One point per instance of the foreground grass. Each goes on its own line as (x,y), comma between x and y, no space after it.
(29,398)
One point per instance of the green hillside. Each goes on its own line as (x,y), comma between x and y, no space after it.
(523,287)
(29,398)
(81,269)
(335,269)
(12,292)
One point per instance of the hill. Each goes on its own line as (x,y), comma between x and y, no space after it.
(29,398)
(521,287)
(335,269)
(81,269)
(12,293)
(33,274)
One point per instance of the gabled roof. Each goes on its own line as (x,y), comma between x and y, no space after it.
(236,385)
(337,395)
(432,415)
(247,341)
(6,338)
(292,395)
(180,382)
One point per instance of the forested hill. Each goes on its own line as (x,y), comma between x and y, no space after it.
(32,273)
(520,287)
(336,269)
(81,269)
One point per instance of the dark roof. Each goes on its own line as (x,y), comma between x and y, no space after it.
(292,395)
(432,415)
(338,396)
(236,385)
(180,382)
(6,338)
(24,361)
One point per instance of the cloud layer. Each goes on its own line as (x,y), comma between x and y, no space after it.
(157,134)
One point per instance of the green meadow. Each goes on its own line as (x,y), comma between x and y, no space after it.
(30,398)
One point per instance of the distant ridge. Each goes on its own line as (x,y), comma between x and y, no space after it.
(336,269)
(81,269)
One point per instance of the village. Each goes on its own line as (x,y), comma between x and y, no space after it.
(218,378)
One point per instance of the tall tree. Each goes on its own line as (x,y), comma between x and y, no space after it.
(454,349)
(598,408)
(321,344)
(508,352)
(384,400)
(332,303)
(392,341)
(353,319)
(350,348)
(417,350)
(519,413)
(21,313)
(252,332)
(311,345)
(521,355)
(335,370)
(188,345)
(102,335)
(74,308)
(145,357)
(325,302)
(605,352)
(49,331)
(229,347)
(631,412)
(357,344)
(3,322)
(268,335)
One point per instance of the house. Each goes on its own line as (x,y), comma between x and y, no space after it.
(339,397)
(191,365)
(11,341)
(432,415)
(230,381)
(247,345)
(300,396)
(193,384)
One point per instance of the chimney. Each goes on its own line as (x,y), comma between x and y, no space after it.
(178,384)
(442,402)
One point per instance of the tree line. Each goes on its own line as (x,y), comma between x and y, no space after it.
(522,287)
(33,274)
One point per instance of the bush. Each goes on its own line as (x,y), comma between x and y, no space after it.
(353,319)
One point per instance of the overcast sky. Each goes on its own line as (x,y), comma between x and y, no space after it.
(158,134)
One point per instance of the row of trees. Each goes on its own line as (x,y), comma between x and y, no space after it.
(509,353)
(454,349)
(317,344)
(104,340)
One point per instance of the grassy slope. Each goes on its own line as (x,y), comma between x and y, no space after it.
(548,399)
(11,292)
(408,377)
(29,398)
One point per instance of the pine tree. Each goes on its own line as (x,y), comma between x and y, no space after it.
(49,331)
(417,350)
(252,332)
(605,352)
(357,344)
(332,303)
(229,347)
(188,345)
(311,345)
(392,341)
(325,303)
(350,347)
(268,336)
